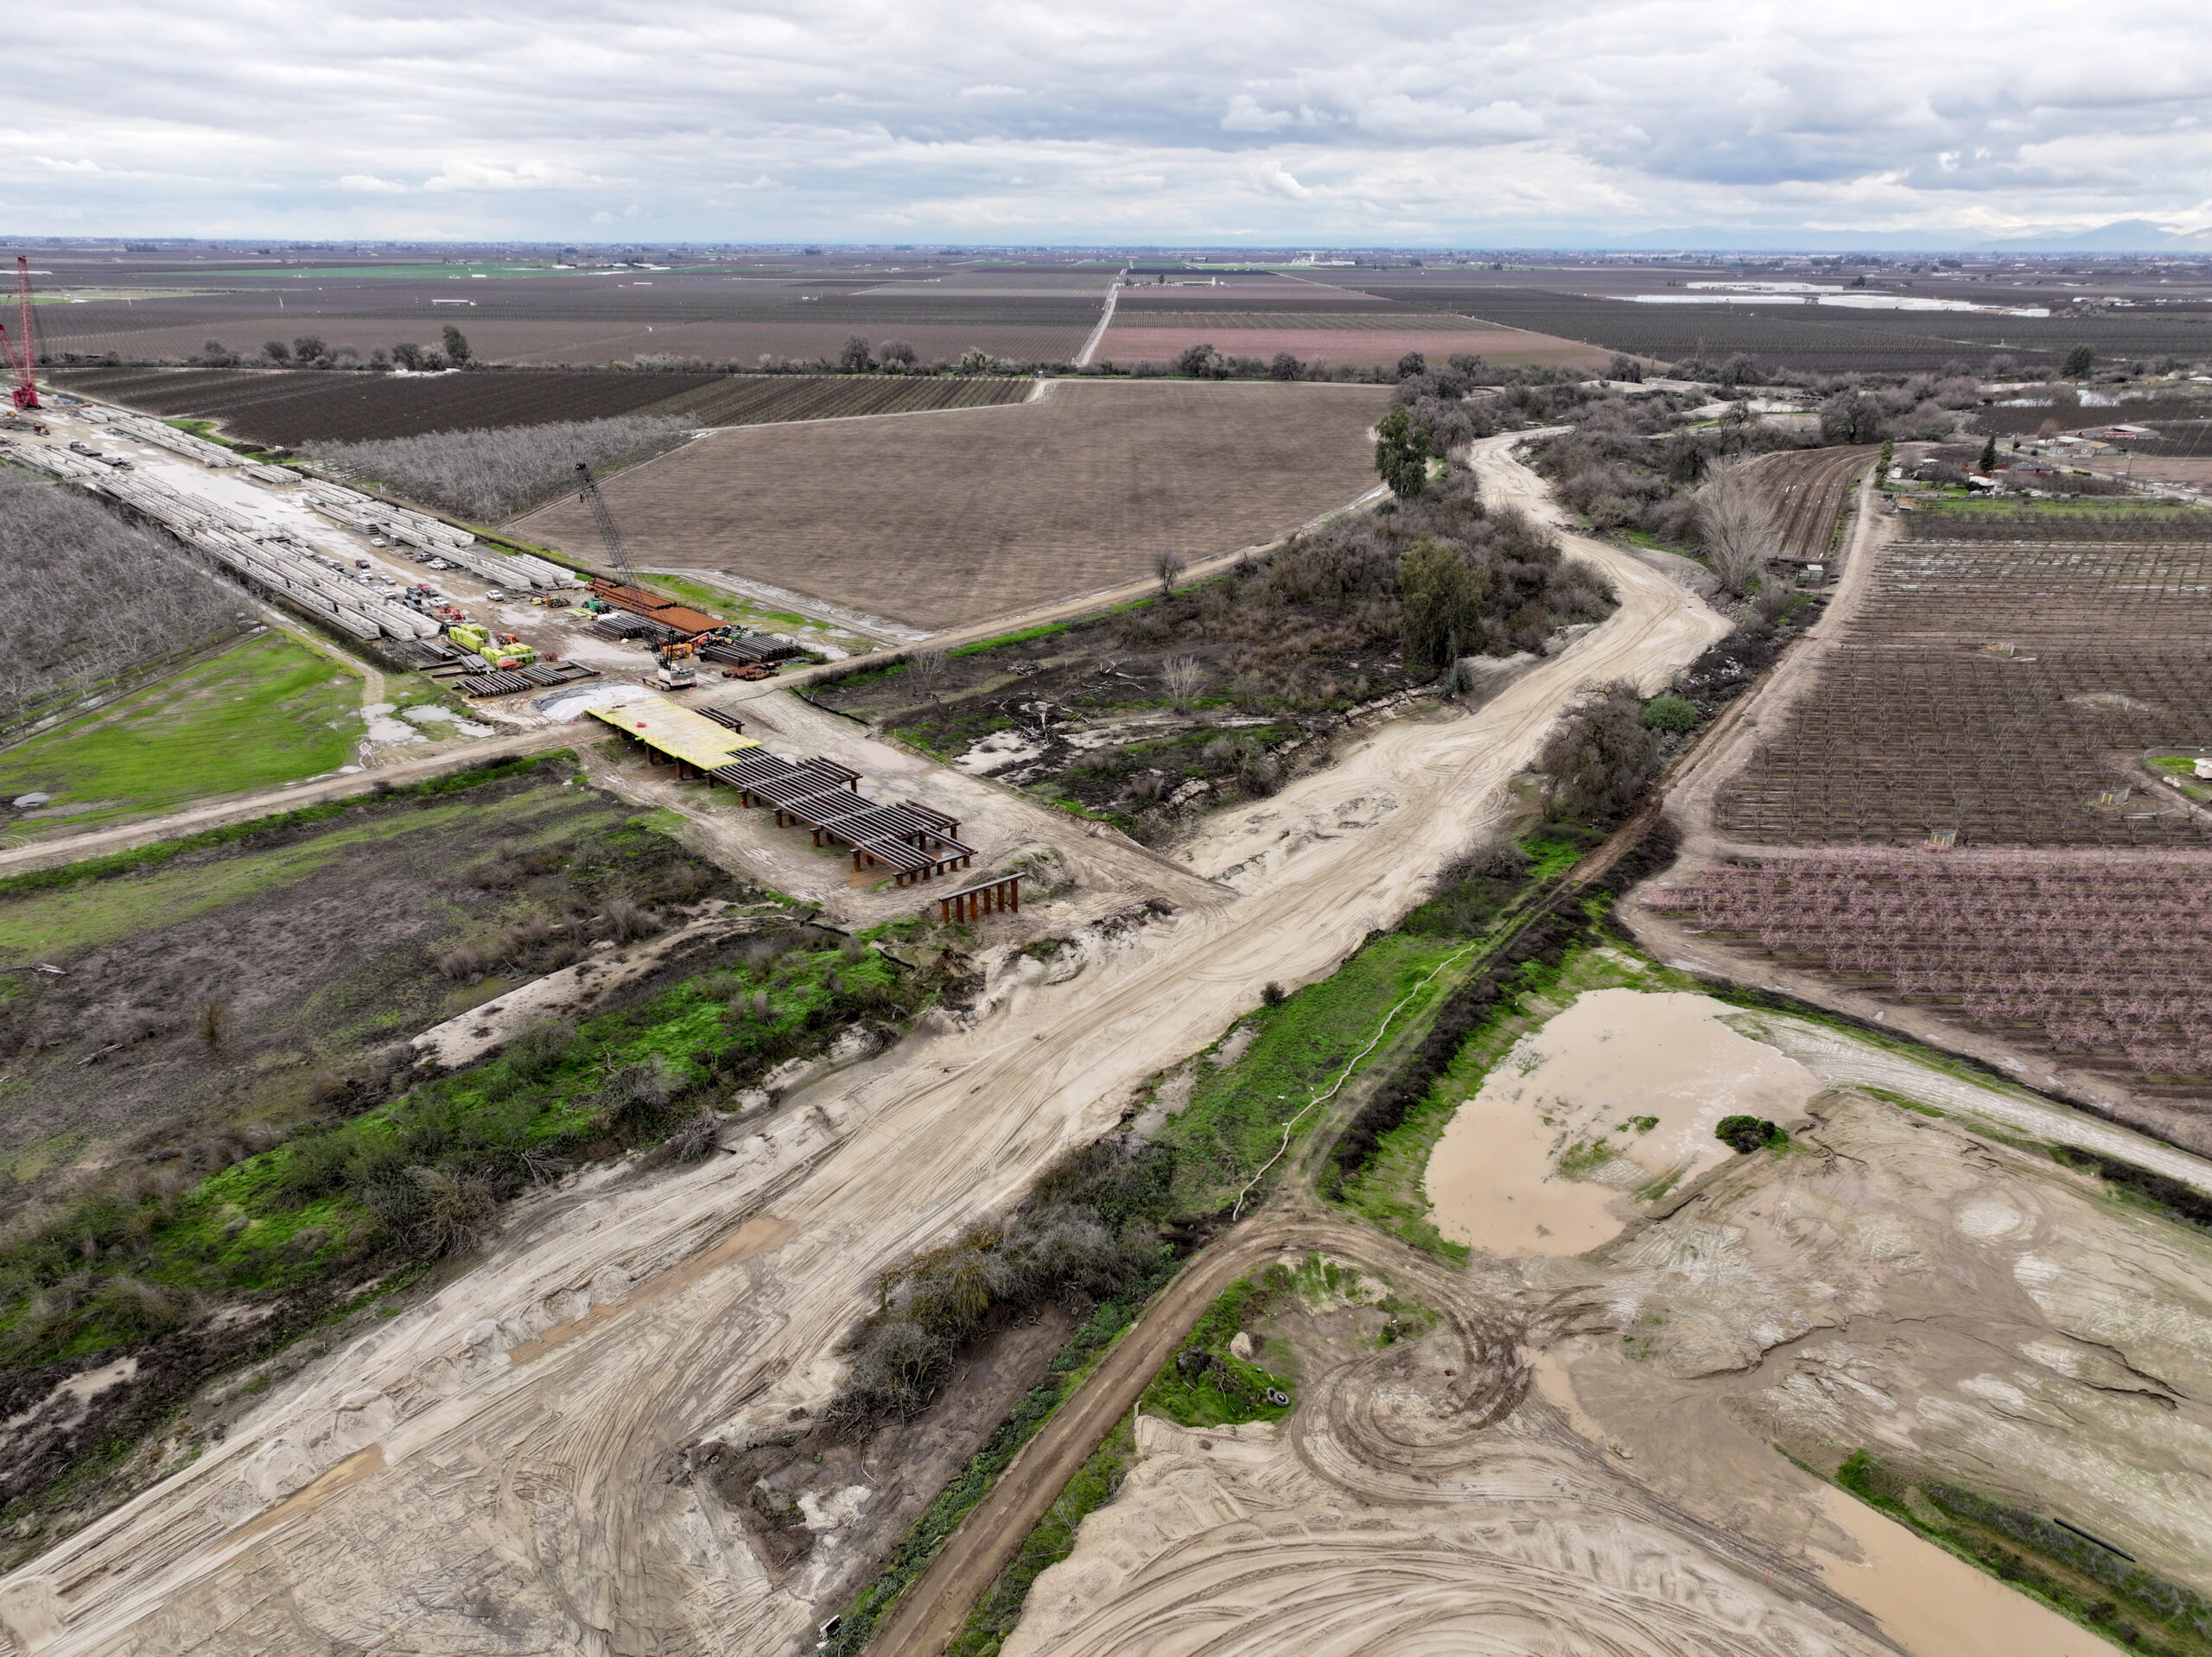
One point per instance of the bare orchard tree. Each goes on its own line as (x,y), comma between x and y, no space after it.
(103,597)
(1736,527)
(928,668)
(1169,566)
(1182,675)
(488,475)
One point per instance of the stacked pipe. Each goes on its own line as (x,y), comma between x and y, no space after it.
(59,461)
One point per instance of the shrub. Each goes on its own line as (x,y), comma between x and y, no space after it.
(695,1139)
(539,1046)
(1602,757)
(1671,714)
(1064,1245)
(456,1211)
(1744,1134)
(625,921)
(635,1090)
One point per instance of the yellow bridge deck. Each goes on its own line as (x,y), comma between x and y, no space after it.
(681,734)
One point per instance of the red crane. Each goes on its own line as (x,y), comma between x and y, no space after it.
(22,355)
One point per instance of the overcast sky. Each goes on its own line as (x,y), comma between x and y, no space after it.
(1331,122)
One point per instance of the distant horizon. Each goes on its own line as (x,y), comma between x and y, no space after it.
(2188,248)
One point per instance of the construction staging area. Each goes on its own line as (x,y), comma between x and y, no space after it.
(500,626)
(915,842)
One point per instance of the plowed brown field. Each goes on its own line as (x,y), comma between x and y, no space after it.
(1361,341)
(934,520)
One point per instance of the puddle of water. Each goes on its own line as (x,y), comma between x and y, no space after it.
(1495,1188)
(999,750)
(1936,1605)
(1583,1079)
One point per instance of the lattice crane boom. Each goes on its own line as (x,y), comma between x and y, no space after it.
(24,357)
(587,493)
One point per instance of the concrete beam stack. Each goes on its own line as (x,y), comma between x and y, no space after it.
(168,437)
(271,558)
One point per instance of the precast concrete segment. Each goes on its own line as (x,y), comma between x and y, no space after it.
(510,1443)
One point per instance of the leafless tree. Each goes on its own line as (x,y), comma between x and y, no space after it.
(98,596)
(489,475)
(1169,566)
(1736,527)
(1182,675)
(928,669)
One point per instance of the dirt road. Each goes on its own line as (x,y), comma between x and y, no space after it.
(935,1607)
(498,1468)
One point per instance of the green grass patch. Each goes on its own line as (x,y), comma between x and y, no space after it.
(115,864)
(265,711)
(40,924)
(2180,770)
(1584,1157)
(1554,851)
(1889,1095)
(1651,542)
(1004,639)
(1206,1385)
(616,1077)
(1234,1123)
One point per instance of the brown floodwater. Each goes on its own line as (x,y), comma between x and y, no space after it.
(1936,1604)
(1594,1077)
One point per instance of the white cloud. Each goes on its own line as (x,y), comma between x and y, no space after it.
(525,176)
(1520,120)
(1245,115)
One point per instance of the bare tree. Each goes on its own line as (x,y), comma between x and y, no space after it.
(1736,526)
(106,597)
(487,475)
(1169,566)
(928,668)
(1182,675)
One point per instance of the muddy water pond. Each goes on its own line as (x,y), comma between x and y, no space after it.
(1936,1605)
(1619,1093)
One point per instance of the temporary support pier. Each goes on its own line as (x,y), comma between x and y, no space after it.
(972,903)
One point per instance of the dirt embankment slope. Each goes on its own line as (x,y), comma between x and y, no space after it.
(495,1467)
